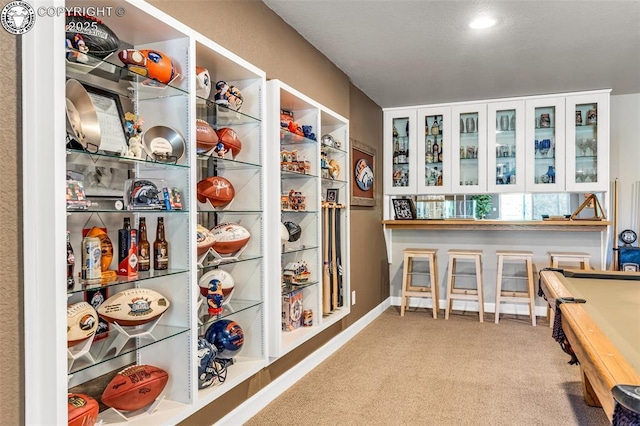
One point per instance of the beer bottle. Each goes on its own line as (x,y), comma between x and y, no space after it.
(144,248)
(71,261)
(160,248)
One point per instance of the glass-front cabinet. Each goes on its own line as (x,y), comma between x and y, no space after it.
(587,122)
(505,141)
(545,145)
(469,148)
(400,135)
(434,151)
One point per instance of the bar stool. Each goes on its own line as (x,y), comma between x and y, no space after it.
(527,296)
(454,292)
(583,261)
(408,290)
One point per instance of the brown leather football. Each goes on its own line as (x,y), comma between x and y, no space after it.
(135,387)
(218,190)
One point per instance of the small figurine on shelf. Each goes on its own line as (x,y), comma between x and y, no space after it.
(133,125)
(220,149)
(308,132)
(215,297)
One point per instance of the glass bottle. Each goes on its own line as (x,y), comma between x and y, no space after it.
(435,129)
(71,262)
(124,238)
(144,248)
(160,248)
(436,150)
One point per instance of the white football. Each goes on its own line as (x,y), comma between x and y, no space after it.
(82,322)
(204,238)
(203,82)
(230,238)
(132,307)
(226,280)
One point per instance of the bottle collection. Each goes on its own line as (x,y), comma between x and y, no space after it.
(433,150)
(401,156)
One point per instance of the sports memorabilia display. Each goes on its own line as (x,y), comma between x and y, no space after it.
(162,143)
(227,336)
(82,322)
(87,35)
(228,96)
(203,82)
(292,309)
(215,189)
(135,387)
(210,370)
(149,63)
(332,283)
(228,140)
(136,306)
(83,126)
(294,230)
(224,281)
(82,410)
(296,273)
(206,137)
(230,238)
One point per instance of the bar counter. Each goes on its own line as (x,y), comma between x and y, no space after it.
(499,225)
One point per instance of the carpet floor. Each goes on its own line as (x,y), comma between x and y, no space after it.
(420,371)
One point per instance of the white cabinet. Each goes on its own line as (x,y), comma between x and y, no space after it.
(312,167)
(505,152)
(170,161)
(545,144)
(587,139)
(400,163)
(434,172)
(469,148)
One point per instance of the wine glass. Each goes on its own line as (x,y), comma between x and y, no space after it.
(580,175)
(583,144)
(593,146)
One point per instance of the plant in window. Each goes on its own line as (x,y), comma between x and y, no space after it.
(483,205)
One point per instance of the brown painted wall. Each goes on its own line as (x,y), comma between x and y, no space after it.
(11,391)
(256,34)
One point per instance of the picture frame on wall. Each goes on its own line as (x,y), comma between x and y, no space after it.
(332,195)
(363,166)
(404,209)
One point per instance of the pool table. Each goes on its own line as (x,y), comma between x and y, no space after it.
(604,332)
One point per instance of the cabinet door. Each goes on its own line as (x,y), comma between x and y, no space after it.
(505,146)
(469,149)
(545,145)
(400,132)
(587,142)
(434,151)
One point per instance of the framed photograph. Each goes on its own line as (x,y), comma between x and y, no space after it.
(332,195)
(404,209)
(111,118)
(363,159)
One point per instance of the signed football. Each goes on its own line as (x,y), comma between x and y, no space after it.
(133,307)
(89,35)
(82,322)
(135,387)
(230,139)
(218,190)
(82,410)
(230,238)
(206,137)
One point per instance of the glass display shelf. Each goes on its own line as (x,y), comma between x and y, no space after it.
(233,307)
(285,174)
(81,286)
(225,163)
(219,116)
(288,138)
(95,208)
(298,250)
(329,180)
(290,288)
(329,148)
(103,350)
(298,211)
(78,156)
(223,210)
(119,79)
(228,261)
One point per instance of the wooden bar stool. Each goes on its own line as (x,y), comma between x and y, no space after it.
(557,257)
(527,296)
(408,289)
(454,292)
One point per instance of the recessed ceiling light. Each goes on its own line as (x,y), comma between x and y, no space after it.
(482,23)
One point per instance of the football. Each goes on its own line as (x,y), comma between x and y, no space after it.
(230,238)
(135,387)
(149,63)
(225,278)
(90,35)
(132,307)
(230,140)
(218,190)
(227,336)
(206,137)
(204,239)
(82,410)
(105,246)
(203,82)
(82,322)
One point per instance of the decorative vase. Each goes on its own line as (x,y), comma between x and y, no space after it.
(504,122)
(461,126)
(471,125)
(513,122)
(551,172)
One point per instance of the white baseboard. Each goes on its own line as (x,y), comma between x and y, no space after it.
(462,305)
(261,399)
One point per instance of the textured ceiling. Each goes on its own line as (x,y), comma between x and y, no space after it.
(411,52)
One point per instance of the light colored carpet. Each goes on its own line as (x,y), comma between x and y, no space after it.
(420,371)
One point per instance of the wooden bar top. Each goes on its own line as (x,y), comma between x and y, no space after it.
(499,225)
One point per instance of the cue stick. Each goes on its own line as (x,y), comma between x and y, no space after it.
(615,225)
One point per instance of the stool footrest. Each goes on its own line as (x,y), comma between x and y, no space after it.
(506,293)
(417,293)
(464,296)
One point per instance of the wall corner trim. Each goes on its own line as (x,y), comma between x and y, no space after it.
(257,402)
